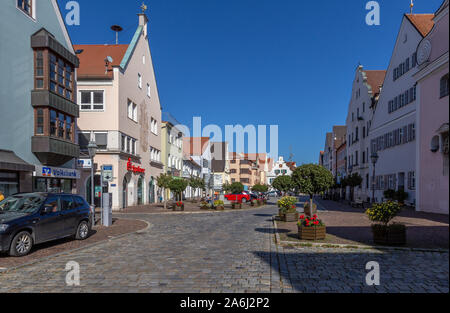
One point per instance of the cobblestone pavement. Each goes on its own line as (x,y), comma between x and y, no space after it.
(225,252)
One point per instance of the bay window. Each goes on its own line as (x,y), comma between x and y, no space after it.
(49,122)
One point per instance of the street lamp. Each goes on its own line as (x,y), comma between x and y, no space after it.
(92,148)
(374,157)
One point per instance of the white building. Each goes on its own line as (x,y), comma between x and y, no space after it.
(365,91)
(280,168)
(393,131)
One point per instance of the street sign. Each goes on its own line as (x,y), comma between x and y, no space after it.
(107,173)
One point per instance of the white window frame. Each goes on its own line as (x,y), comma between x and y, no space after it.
(140,80)
(149,92)
(92,100)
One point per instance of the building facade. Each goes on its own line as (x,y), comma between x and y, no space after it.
(220,165)
(280,168)
(432,193)
(393,130)
(38,110)
(199,150)
(366,89)
(191,170)
(121,112)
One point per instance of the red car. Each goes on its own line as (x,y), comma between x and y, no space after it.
(242,197)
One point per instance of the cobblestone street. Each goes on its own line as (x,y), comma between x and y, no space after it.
(225,252)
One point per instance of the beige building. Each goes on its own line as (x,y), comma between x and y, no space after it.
(120,110)
(249,168)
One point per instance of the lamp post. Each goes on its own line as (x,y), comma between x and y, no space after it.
(92,148)
(374,157)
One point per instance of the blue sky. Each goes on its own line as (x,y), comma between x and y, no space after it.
(272,62)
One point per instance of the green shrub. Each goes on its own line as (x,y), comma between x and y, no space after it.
(218,203)
(288,204)
(389,194)
(383,212)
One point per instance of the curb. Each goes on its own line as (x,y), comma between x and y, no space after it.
(149,225)
(350,246)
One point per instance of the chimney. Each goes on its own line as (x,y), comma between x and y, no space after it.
(143,21)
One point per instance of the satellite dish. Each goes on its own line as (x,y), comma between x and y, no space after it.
(109,59)
(79,51)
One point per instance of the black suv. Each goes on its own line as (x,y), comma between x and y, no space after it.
(32,218)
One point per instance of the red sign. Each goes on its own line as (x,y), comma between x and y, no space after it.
(134,169)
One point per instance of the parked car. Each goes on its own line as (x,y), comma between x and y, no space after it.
(253,195)
(241,197)
(274,193)
(33,218)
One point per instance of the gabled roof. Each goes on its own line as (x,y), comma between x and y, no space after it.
(422,22)
(92,60)
(195,145)
(375,79)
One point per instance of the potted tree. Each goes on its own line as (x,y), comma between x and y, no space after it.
(283,184)
(288,209)
(236,188)
(163,182)
(178,186)
(312,179)
(383,232)
(311,228)
(307,209)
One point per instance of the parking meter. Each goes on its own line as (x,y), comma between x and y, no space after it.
(107,210)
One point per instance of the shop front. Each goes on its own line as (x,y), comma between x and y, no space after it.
(55,179)
(15,174)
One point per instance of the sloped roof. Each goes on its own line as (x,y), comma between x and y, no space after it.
(92,60)
(375,79)
(195,145)
(422,22)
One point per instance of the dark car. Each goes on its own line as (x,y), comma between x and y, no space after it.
(33,218)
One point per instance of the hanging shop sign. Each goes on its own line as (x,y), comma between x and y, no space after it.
(134,169)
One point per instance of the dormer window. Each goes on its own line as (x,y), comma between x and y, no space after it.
(26,6)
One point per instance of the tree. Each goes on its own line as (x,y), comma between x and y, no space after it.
(178,186)
(163,181)
(197,183)
(283,183)
(226,187)
(236,188)
(352,181)
(312,179)
(260,188)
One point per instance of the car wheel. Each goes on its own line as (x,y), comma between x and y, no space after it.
(244,200)
(82,231)
(21,244)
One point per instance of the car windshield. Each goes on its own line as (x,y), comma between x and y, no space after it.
(21,204)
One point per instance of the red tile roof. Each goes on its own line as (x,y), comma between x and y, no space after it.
(375,79)
(191,145)
(423,22)
(92,59)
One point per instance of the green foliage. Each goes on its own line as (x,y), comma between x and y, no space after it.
(197,183)
(178,186)
(401,196)
(282,183)
(383,212)
(288,204)
(226,187)
(354,180)
(260,188)
(163,181)
(218,203)
(236,188)
(312,179)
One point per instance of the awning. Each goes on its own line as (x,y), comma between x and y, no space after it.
(9,161)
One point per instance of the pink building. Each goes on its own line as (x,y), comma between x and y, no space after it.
(433,117)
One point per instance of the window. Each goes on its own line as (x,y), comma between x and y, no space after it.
(148,91)
(39,122)
(123,143)
(61,77)
(68,127)
(140,81)
(83,140)
(411,180)
(92,100)
(39,70)
(53,123)
(154,126)
(101,139)
(26,6)
(444,86)
(132,111)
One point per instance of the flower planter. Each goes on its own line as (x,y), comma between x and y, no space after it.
(312,233)
(178,208)
(290,217)
(388,235)
(236,206)
(281,214)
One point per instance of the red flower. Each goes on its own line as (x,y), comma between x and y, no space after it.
(314,216)
(302,217)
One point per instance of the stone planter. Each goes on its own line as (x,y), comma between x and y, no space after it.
(291,217)
(236,206)
(389,235)
(312,233)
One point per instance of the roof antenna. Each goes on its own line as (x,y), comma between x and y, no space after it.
(117,29)
(411,6)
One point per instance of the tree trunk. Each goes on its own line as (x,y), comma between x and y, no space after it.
(165,199)
(311,202)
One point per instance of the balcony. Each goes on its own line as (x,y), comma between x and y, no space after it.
(52,151)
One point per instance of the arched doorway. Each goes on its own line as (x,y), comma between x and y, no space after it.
(124,193)
(151,191)
(140,191)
